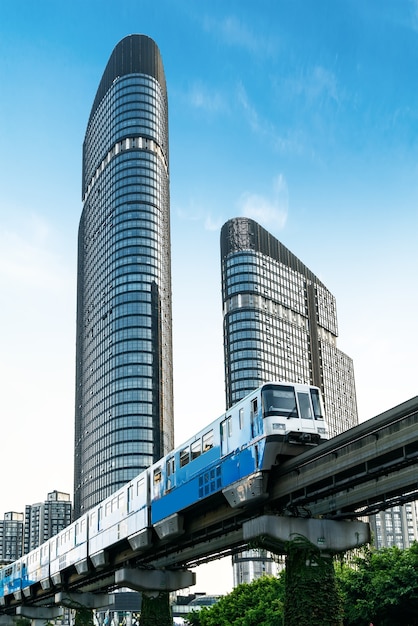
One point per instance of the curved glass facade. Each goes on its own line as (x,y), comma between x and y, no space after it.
(280,323)
(124,395)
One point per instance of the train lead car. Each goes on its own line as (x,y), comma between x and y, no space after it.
(234,454)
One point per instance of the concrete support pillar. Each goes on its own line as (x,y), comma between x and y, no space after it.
(154,580)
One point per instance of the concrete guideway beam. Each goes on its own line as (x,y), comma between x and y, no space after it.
(328,535)
(79,600)
(154,580)
(40,613)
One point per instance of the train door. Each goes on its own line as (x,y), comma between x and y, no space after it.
(226,433)
(170,474)
(130,497)
(255,418)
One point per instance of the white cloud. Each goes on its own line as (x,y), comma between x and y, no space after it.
(213,224)
(198,213)
(324,82)
(270,212)
(313,85)
(234,32)
(251,113)
(203,97)
(266,131)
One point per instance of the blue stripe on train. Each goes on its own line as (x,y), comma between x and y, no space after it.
(206,482)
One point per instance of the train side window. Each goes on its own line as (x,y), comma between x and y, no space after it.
(254,405)
(317,405)
(157,475)
(184,456)
(207,441)
(196,449)
(157,488)
(241,418)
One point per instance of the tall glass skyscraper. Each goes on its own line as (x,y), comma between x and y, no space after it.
(280,323)
(124,387)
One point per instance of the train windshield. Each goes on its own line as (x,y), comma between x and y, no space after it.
(279,400)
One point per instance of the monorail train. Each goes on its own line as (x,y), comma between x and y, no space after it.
(232,456)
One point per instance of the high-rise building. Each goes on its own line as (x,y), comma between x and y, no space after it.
(124,395)
(280,323)
(11,537)
(397,526)
(45,519)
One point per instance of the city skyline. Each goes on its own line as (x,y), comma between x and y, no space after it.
(303,118)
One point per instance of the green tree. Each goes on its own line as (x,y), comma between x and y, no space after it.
(381,588)
(259,603)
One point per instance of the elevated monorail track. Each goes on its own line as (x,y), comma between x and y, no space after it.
(366,469)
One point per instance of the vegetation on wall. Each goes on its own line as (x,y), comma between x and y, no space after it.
(312,597)
(156,610)
(83,617)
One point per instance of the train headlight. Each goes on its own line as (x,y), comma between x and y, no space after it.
(279,426)
(321,431)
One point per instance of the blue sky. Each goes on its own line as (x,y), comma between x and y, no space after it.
(300,114)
